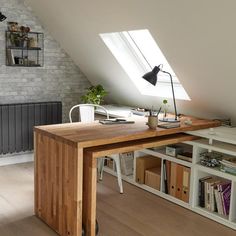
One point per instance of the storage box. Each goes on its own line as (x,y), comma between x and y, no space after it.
(144,163)
(173,150)
(153,178)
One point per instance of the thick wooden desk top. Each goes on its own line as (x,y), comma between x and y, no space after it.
(95,134)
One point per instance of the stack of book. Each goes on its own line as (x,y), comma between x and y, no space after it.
(214,194)
(228,166)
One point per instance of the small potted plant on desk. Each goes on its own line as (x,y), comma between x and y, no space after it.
(94,95)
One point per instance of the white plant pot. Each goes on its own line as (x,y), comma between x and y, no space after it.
(87,114)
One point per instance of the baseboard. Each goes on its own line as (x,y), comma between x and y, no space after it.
(11,159)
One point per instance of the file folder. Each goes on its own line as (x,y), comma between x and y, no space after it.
(186,184)
(173,179)
(179,182)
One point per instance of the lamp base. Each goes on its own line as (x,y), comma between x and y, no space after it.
(171,120)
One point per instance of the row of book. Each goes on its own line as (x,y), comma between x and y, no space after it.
(177,180)
(214,194)
(228,165)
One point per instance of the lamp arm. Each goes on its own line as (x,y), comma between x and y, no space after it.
(173,93)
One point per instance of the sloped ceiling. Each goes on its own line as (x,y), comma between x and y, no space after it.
(198,39)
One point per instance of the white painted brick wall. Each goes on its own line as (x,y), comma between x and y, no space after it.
(60,79)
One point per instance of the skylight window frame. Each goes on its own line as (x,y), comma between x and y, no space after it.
(132,59)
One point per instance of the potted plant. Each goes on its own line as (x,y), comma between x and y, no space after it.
(165,106)
(94,95)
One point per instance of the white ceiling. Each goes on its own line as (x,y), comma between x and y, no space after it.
(198,39)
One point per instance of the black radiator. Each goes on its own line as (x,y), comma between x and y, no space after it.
(17,122)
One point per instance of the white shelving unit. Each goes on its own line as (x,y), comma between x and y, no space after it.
(221,140)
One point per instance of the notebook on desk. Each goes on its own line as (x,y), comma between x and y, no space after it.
(115,121)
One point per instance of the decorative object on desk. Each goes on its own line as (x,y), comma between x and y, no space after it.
(188,121)
(2,17)
(152,122)
(151,77)
(211,159)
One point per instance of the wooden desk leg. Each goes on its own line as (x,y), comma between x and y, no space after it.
(58,184)
(89,193)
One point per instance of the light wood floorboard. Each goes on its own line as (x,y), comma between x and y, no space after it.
(135,213)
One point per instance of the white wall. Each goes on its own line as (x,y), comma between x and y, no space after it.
(198,39)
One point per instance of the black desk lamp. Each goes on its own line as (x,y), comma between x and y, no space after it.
(151,77)
(2,17)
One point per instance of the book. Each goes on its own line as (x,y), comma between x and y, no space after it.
(209,193)
(225,195)
(116,121)
(202,190)
(186,156)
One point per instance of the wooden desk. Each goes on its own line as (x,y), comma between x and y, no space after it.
(65,166)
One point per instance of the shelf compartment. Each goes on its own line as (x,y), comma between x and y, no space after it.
(161,154)
(217,146)
(208,201)
(131,179)
(216,172)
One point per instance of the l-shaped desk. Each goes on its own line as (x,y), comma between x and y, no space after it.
(65,165)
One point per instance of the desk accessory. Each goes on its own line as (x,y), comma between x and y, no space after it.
(151,77)
(116,121)
(169,125)
(152,122)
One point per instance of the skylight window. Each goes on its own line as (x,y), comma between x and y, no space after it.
(138,53)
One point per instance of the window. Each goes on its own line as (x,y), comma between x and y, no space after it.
(137,52)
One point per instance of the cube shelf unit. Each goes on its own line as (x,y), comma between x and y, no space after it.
(223,141)
(24,49)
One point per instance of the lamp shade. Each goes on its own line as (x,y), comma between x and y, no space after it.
(151,76)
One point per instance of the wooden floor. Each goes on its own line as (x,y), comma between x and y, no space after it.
(135,213)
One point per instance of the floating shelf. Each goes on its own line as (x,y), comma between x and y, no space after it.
(24,49)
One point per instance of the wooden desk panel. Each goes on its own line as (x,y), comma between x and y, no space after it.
(94,134)
(61,166)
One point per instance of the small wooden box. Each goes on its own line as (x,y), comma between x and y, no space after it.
(153,178)
(144,163)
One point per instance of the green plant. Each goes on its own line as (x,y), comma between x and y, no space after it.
(165,105)
(94,95)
